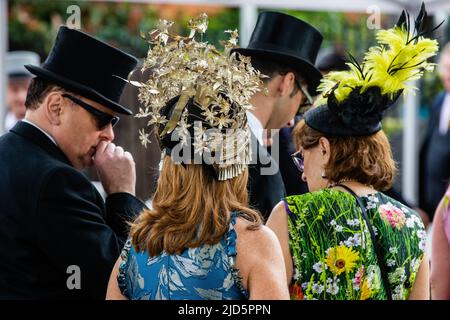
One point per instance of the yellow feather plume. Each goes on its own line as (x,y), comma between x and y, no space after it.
(396,60)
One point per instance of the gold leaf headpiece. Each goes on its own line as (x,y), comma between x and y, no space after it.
(218,83)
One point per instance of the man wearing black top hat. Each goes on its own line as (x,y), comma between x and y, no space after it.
(58,238)
(285,49)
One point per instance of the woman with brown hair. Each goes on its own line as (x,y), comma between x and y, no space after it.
(345,239)
(199,240)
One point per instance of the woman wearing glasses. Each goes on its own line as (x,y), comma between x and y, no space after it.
(345,239)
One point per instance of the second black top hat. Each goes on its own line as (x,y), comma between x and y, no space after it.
(289,40)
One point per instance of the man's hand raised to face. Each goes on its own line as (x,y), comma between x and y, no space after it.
(116,168)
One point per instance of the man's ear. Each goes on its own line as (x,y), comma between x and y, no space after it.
(53,106)
(287,84)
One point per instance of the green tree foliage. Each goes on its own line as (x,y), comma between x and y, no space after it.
(33,23)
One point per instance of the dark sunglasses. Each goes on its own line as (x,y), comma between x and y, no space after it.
(297,157)
(102,118)
(308,101)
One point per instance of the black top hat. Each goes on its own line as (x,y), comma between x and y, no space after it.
(289,40)
(332,61)
(87,66)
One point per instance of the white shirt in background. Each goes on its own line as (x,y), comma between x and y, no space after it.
(444,118)
(10,121)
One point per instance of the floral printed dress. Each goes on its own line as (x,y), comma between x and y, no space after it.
(333,253)
(204,273)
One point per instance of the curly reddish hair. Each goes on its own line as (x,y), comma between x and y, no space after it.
(366,159)
(190,208)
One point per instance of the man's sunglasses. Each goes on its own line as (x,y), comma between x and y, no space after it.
(297,158)
(308,101)
(102,118)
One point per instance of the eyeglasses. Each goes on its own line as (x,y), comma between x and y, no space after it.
(102,118)
(297,158)
(308,101)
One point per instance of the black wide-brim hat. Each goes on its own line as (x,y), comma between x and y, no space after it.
(357,116)
(287,40)
(88,67)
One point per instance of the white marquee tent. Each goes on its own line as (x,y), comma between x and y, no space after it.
(249,8)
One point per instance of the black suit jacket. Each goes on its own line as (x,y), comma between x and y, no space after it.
(434,162)
(265,185)
(51,218)
(292,177)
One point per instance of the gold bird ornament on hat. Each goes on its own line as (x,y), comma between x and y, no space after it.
(208,93)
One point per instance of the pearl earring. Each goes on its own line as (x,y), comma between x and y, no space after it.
(323,175)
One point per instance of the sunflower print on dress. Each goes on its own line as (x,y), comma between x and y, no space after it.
(333,253)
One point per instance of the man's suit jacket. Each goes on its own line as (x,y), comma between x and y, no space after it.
(292,177)
(434,164)
(265,190)
(53,221)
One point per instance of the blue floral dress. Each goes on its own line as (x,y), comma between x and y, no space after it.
(207,272)
(333,253)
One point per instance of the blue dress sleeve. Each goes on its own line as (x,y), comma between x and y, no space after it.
(232,254)
(123,269)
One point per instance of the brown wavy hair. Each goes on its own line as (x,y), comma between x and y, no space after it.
(190,208)
(366,159)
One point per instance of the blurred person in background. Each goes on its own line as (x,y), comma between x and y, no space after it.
(331,59)
(434,174)
(18,81)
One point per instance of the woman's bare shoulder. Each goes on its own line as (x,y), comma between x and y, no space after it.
(256,241)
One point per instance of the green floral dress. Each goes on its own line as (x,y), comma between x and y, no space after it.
(333,253)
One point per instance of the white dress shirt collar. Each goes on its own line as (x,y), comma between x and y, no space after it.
(255,126)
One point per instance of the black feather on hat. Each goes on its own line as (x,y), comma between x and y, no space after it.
(353,102)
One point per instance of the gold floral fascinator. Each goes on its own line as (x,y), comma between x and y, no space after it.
(353,102)
(196,98)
